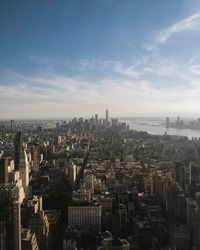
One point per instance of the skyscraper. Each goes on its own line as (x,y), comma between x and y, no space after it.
(4,162)
(85,215)
(12,125)
(107,116)
(167,122)
(96,120)
(24,170)
(11,197)
(21,161)
(18,148)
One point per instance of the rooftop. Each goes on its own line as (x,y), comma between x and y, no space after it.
(52,216)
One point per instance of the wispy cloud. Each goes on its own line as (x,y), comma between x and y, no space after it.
(55,94)
(128,71)
(191,23)
(154,66)
(195,69)
(39,59)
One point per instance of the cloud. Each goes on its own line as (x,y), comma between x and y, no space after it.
(191,23)
(140,69)
(128,71)
(149,85)
(39,59)
(86,63)
(58,95)
(195,69)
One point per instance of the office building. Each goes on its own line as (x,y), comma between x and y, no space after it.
(85,215)
(4,163)
(24,170)
(18,148)
(12,125)
(180,236)
(122,220)
(29,241)
(107,118)
(193,221)
(11,197)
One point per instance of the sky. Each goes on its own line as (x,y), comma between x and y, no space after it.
(66,58)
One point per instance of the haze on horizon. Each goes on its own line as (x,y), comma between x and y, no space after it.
(75,58)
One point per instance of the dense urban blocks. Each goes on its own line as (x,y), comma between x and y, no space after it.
(94,183)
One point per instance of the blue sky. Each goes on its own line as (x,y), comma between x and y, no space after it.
(77,57)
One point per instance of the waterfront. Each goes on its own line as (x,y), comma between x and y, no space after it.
(156,126)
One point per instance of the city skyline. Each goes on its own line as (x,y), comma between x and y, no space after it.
(66,59)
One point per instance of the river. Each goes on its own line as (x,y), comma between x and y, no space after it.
(155,126)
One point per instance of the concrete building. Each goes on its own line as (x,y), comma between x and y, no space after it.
(107,118)
(175,203)
(29,241)
(39,225)
(180,236)
(18,148)
(84,215)
(148,183)
(120,244)
(36,158)
(193,221)
(107,242)
(24,170)
(4,163)
(72,173)
(11,197)
(122,220)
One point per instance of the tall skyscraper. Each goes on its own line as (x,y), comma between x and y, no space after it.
(193,220)
(167,122)
(12,125)
(24,170)
(96,120)
(11,197)
(18,148)
(122,220)
(4,162)
(36,158)
(107,116)
(21,161)
(180,236)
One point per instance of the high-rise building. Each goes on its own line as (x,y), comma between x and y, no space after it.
(175,203)
(4,163)
(36,157)
(114,122)
(29,241)
(39,225)
(85,215)
(24,170)
(180,236)
(122,220)
(148,183)
(72,173)
(34,217)
(11,197)
(167,122)
(107,116)
(21,161)
(193,220)
(109,243)
(96,120)
(12,125)
(18,148)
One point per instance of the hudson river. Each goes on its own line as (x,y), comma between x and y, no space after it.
(156,126)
